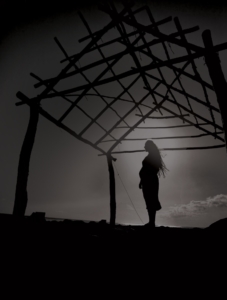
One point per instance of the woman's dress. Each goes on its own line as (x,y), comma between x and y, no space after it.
(150,183)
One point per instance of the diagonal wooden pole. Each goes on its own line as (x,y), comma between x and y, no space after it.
(216,74)
(112,189)
(148,67)
(21,197)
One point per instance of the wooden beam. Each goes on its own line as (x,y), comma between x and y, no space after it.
(165,117)
(171,137)
(119,121)
(127,43)
(101,95)
(149,29)
(161,63)
(198,126)
(85,77)
(57,123)
(111,70)
(197,75)
(171,149)
(87,67)
(152,43)
(165,137)
(189,96)
(109,105)
(78,107)
(89,86)
(179,70)
(73,61)
(159,105)
(161,22)
(177,76)
(112,188)
(198,116)
(162,127)
(218,79)
(21,196)
(158,23)
(191,123)
(123,75)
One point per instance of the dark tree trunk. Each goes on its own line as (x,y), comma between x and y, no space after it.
(112,191)
(21,197)
(220,86)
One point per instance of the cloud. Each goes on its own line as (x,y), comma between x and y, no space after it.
(195,208)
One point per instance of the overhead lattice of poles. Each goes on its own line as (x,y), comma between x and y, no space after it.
(136,78)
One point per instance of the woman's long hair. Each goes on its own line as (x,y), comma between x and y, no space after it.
(156,157)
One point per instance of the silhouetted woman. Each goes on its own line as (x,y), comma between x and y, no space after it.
(153,166)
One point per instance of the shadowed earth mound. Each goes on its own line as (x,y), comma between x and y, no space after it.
(55,248)
(36,229)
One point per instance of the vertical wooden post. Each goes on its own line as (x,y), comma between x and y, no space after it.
(216,74)
(21,197)
(112,190)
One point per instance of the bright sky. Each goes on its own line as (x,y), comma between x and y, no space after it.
(67,178)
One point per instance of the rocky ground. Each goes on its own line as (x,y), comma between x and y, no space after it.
(37,230)
(76,252)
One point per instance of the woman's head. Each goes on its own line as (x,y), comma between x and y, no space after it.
(150,146)
(155,154)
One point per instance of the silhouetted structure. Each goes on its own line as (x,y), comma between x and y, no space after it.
(214,66)
(21,197)
(133,40)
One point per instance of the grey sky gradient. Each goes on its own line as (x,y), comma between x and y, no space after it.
(67,178)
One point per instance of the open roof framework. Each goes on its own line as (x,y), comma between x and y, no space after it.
(162,97)
(130,72)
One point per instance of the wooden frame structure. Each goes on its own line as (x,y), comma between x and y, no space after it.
(134,40)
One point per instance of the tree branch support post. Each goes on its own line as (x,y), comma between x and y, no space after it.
(21,197)
(216,74)
(112,189)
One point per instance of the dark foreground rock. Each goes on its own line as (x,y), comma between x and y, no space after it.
(79,235)
(77,249)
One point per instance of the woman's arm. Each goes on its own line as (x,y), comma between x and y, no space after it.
(140,185)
